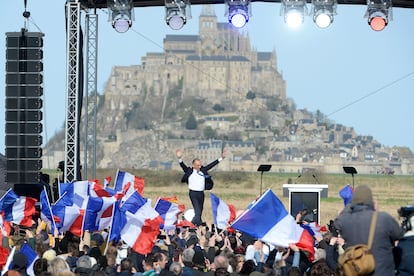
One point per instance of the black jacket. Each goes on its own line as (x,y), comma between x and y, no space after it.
(189,170)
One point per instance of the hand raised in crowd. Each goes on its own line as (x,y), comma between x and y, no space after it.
(293,247)
(179,153)
(212,240)
(224,153)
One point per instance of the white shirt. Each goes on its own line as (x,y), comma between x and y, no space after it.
(196,181)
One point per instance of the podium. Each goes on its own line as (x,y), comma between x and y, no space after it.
(305,196)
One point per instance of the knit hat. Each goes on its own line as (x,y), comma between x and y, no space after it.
(362,194)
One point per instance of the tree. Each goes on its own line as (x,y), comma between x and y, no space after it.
(251,95)
(209,133)
(218,108)
(191,122)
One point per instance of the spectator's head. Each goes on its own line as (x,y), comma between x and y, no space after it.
(221,272)
(192,241)
(58,265)
(49,255)
(19,262)
(320,254)
(126,265)
(221,261)
(187,256)
(84,261)
(320,268)
(362,195)
(199,260)
(248,267)
(176,268)
(97,239)
(40,265)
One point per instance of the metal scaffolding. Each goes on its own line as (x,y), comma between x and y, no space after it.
(89,165)
(72,86)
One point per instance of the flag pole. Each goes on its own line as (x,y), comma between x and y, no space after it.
(110,229)
(51,211)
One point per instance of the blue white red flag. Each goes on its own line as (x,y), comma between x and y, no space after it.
(223,213)
(128,183)
(46,211)
(136,223)
(18,209)
(98,213)
(168,211)
(107,181)
(78,191)
(68,216)
(268,220)
(346,194)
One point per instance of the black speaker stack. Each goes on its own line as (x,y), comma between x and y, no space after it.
(24,91)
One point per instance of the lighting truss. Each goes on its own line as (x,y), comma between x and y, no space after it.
(323,12)
(121,14)
(177,13)
(238,12)
(378,12)
(294,12)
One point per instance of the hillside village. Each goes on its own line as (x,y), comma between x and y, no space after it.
(214,90)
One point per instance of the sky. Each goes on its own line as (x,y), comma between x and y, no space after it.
(352,74)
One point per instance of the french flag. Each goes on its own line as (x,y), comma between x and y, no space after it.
(168,211)
(107,181)
(128,183)
(78,191)
(98,213)
(66,215)
(136,223)
(268,220)
(45,210)
(346,193)
(223,213)
(18,209)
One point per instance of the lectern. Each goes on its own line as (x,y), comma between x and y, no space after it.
(352,171)
(263,168)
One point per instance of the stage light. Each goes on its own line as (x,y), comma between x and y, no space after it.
(294,12)
(177,13)
(121,14)
(323,12)
(378,13)
(238,12)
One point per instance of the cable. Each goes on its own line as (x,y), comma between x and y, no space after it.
(371,93)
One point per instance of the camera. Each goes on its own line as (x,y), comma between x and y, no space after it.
(406,211)
(161,237)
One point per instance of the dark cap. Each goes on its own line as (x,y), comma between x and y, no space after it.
(19,261)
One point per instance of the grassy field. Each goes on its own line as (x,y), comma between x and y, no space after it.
(241,188)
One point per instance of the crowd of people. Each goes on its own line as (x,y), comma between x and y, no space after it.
(204,250)
(197,248)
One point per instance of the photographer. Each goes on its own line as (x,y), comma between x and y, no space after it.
(404,252)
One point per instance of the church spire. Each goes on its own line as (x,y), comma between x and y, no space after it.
(208,10)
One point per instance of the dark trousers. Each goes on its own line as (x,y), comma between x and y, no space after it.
(197,200)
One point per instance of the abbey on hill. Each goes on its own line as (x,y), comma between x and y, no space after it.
(214,90)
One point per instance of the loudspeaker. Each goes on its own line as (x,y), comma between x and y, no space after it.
(24,80)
